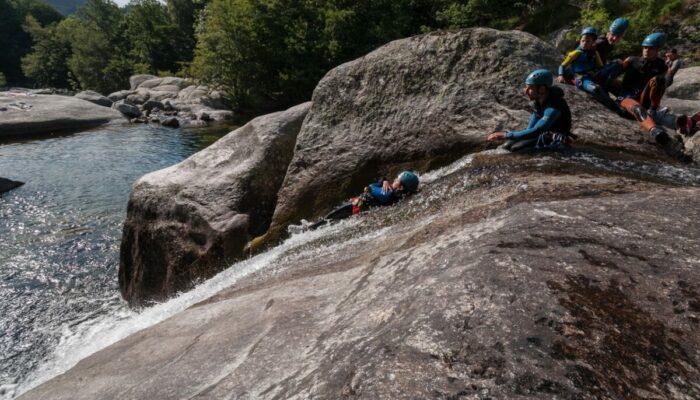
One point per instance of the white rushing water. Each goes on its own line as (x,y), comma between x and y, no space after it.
(84,339)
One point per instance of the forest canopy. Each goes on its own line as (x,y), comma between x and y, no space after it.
(269,54)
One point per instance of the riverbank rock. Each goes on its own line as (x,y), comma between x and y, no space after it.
(29,114)
(127,109)
(686,84)
(171,122)
(507,277)
(192,220)
(136,80)
(175,94)
(418,103)
(7,184)
(95,97)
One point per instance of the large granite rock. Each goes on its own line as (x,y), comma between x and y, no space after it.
(27,114)
(418,103)
(191,220)
(136,80)
(95,97)
(686,84)
(127,109)
(511,278)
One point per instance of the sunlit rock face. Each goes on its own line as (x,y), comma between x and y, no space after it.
(419,103)
(191,220)
(508,276)
(24,113)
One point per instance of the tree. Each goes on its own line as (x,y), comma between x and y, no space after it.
(47,64)
(14,41)
(152,36)
(98,59)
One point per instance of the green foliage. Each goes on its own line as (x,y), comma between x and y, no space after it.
(15,42)
(645,16)
(47,64)
(151,35)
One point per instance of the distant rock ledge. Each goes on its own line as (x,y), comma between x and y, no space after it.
(25,113)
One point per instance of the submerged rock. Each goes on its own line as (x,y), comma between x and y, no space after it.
(190,221)
(7,184)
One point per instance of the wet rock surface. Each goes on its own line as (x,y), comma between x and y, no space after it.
(31,114)
(189,221)
(8,184)
(419,102)
(547,277)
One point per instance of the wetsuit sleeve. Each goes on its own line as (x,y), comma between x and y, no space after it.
(542,125)
(571,57)
(598,60)
(533,121)
(627,63)
(375,190)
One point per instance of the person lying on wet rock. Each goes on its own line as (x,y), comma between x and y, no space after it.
(380,193)
(550,124)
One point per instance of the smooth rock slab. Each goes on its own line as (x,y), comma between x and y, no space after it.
(127,109)
(686,84)
(44,114)
(95,97)
(490,293)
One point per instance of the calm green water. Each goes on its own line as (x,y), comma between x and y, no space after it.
(60,232)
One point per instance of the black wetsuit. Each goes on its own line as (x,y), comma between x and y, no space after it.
(549,127)
(604,48)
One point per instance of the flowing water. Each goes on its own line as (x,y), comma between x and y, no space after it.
(60,239)
(60,233)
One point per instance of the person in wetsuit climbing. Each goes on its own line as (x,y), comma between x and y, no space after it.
(550,124)
(380,193)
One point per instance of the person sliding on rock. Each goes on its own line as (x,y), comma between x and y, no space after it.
(380,193)
(550,124)
(579,65)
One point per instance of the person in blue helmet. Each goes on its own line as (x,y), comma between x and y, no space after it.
(643,85)
(381,193)
(580,65)
(605,44)
(550,124)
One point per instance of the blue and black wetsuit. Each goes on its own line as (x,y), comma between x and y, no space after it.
(549,127)
(580,65)
(373,196)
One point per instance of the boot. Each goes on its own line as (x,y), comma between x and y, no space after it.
(659,135)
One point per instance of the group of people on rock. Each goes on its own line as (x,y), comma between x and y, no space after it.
(587,67)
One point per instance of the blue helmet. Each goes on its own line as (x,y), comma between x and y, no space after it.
(409,180)
(656,39)
(619,26)
(589,30)
(540,77)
